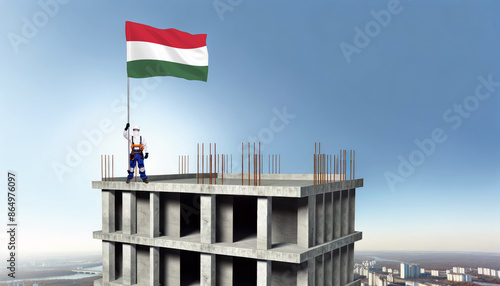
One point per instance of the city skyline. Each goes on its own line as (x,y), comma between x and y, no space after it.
(417,100)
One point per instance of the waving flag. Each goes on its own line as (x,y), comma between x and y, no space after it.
(165,52)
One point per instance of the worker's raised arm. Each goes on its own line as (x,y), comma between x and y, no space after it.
(125,132)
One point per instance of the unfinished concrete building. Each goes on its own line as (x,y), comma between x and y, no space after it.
(290,229)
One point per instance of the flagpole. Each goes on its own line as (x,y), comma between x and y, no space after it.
(128,119)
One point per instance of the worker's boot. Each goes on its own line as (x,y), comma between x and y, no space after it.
(128,180)
(145,181)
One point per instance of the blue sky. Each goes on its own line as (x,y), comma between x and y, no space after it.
(66,76)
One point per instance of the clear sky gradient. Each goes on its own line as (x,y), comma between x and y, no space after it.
(418,74)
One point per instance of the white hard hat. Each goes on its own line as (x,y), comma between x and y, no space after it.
(136,127)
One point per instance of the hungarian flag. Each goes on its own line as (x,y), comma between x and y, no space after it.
(165,52)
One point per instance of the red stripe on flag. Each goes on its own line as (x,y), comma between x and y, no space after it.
(167,37)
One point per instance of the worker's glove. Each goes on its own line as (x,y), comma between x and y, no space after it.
(145,157)
(127,126)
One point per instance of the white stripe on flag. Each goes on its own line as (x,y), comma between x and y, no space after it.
(152,51)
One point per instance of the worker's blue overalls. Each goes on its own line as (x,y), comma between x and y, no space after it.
(136,156)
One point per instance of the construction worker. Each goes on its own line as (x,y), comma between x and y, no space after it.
(139,147)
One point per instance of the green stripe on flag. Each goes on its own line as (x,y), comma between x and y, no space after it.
(150,68)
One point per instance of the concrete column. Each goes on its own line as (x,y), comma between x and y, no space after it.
(108,211)
(306,273)
(344,217)
(337,214)
(328,268)
(336,267)
(207,269)
(306,221)
(154,214)
(320,272)
(328,217)
(320,219)
(225,219)
(352,208)
(264,222)
(171,214)
(171,267)
(108,261)
(350,263)
(263,273)
(154,266)
(129,211)
(129,264)
(344,267)
(224,270)
(207,213)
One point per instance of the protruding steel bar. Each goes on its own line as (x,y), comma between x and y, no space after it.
(279,166)
(102,177)
(203,163)
(105,169)
(242,163)
(254,165)
(215,163)
(223,169)
(272,169)
(314,165)
(210,162)
(198,163)
(249,163)
(354,164)
(327,170)
(260,164)
(113,168)
(350,165)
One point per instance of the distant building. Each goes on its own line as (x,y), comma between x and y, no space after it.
(488,271)
(448,271)
(389,270)
(422,271)
(390,278)
(405,269)
(409,271)
(435,272)
(384,269)
(457,277)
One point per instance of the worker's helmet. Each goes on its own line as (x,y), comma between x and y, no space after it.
(136,127)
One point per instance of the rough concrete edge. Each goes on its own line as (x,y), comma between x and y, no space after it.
(271,255)
(237,190)
(331,245)
(331,187)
